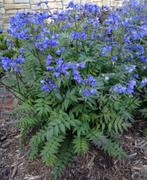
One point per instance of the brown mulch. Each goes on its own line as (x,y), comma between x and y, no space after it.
(95,165)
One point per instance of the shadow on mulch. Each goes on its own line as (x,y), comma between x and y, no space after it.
(95,165)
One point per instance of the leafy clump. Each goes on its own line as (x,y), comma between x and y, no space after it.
(80,77)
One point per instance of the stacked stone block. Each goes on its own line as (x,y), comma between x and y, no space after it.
(7,102)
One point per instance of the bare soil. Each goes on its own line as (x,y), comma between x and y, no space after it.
(95,165)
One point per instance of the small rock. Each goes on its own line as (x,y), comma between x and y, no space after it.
(3,138)
(5,145)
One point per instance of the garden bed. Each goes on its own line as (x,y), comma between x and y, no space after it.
(95,165)
(80,81)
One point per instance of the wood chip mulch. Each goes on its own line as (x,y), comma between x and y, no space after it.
(95,165)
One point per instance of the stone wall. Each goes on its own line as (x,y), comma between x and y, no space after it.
(7,101)
(10,7)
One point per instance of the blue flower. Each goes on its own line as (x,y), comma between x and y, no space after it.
(106,50)
(136,76)
(77,77)
(38,4)
(143,59)
(71,4)
(79,35)
(130,69)
(58,52)
(118,88)
(86,92)
(52,84)
(92,8)
(143,82)
(93,91)
(114,58)
(6,63)
(91,81)
(89,92)
(143,30)
(22,51)
(41,45)
(131,86)
(66,26)
(48,85)
(54,43)
(59,62)
(45,88)
(50,68)
(82,65)
(46,2)
(49,59)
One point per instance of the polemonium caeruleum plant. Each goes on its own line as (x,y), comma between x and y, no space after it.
(78,73)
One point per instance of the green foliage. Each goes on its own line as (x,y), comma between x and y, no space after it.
(36,143)
(51,149)
(116,113)
(65,156)
(3,45)
(145,133)
(107,144)
(5,50)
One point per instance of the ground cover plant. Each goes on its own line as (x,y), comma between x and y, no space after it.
(80,75)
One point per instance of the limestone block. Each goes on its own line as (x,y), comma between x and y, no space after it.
(16,6)
(77,1)
(11,12)
(34,1)
(6,19)
(1,5)
(55,5)
(35,7)
(9,1)
(21,1)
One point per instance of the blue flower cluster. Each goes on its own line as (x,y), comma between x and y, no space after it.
(79,35)
(41,45)
(84,42)
(21,24)
(57,67)
(121,89)
(48,85)
(15,64)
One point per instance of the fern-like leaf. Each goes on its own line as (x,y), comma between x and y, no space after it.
(65,156)
(112,148)
(81,145)
(50,150)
